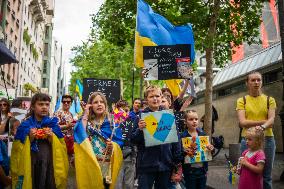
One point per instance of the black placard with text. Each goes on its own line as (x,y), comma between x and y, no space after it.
(109,87)
(167,62)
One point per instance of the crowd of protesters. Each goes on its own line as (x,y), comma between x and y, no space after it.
(50,140)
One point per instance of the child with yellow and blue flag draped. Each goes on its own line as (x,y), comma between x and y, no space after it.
(98,155)
(39,158)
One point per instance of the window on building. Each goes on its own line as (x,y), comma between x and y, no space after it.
(271,77)
(46,32)
(44,70)
(46,49)
(44,82)
(10,45)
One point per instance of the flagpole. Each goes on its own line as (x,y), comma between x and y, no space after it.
(133,82)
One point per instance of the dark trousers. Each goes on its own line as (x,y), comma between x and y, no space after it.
(195,178)
(160,180)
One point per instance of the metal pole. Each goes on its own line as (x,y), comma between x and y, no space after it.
(141,86)
(133,83)
(281,25)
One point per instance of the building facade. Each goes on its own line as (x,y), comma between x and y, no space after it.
(35,14)
(11,19)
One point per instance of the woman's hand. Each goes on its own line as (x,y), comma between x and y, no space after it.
(141,124)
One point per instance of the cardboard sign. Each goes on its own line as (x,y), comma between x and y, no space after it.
(160,128)
(109,87)
(167,62)
(199,143)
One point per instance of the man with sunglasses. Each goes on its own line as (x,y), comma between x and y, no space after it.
(66,123)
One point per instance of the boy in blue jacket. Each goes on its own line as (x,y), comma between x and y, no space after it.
(155,164)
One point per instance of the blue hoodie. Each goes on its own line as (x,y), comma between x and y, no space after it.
(155,158)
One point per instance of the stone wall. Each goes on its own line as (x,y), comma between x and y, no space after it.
(227,125)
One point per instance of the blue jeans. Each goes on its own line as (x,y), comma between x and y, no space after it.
(160,180)
(195,179)
(269,150)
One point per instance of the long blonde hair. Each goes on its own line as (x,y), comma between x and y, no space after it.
(258,135)
(92,115)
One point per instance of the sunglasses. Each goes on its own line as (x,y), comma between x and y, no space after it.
(3,105)
(68,102)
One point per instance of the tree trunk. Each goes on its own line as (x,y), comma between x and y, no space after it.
(209,64)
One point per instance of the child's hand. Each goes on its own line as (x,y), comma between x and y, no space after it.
(141,124)
(190,152)
(86,108)
(244,161)
(210,147)
(32,133)
(176,177)
(48,133)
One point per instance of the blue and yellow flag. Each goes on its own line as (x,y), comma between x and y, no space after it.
(88,170)
(79,89)
(153,29)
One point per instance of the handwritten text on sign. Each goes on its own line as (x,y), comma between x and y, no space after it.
(160,128)
(160,62)
(109,87)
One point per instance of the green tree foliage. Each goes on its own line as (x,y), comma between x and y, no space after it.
(116,22)
(217,25)
(105,60)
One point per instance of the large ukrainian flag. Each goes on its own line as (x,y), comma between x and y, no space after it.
(88,171)
(153,29)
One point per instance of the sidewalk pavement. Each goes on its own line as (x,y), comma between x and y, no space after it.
(218,172)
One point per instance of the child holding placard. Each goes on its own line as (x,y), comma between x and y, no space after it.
(155,164)
(252,161)
(194,173)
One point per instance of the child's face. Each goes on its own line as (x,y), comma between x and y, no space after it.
(251,142)
(154,99)
(41,108)
(98,105)
(165,103)
(191,120)
(125,108)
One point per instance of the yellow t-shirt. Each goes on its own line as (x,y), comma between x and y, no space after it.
(256,109)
